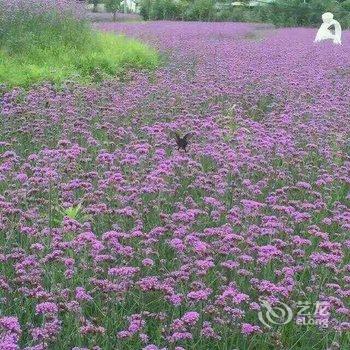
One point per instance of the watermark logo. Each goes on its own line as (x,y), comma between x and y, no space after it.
(306,313)
(278,314)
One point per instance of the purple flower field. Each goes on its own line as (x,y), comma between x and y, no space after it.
(111,238)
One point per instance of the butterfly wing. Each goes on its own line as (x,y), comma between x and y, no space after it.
(177,137)
(188,136)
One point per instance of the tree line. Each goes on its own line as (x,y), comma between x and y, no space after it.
(283,13)
(280,12)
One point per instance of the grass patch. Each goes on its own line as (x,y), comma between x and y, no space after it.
(109,56)
(53,46)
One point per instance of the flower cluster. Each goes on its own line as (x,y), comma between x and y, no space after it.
(113,238)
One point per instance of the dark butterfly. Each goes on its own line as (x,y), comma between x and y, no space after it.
(182,142)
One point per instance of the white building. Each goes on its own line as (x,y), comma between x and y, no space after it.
(252,3)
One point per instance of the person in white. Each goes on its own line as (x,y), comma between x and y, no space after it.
(325,33)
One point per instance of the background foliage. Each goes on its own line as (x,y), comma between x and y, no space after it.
(113,6)
(281,12)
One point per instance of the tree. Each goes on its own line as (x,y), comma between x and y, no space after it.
(202,10)
(95,3)
(113,6)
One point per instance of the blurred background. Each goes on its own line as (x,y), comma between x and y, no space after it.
(278,12)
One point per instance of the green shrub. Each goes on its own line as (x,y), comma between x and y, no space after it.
(202,10)
(160,9)
(238,14)
(299,13)
(165,9)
